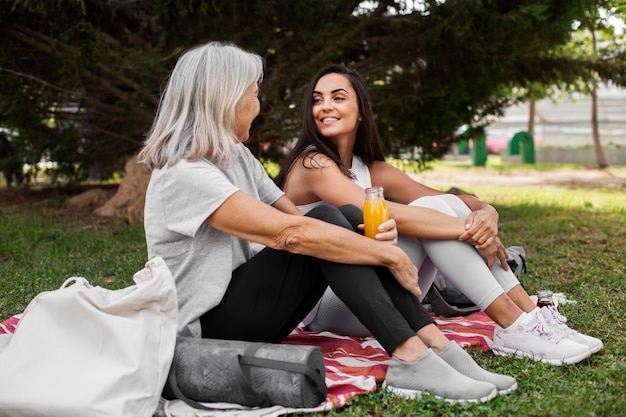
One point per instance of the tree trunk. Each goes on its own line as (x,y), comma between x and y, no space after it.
(130,197)
(531,113)
(597,147)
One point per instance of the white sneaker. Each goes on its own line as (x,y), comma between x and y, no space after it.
(531,337)
(557,323)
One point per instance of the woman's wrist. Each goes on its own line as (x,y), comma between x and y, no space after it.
(392,256)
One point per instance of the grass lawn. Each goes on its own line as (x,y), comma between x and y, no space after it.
(575,243)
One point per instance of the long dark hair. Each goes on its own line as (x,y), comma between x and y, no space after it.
(368,144)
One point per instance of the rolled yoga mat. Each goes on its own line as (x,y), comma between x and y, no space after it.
(251,374)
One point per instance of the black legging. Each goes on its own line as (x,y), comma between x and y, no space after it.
(269,295)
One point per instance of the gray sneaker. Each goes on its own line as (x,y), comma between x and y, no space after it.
(432,374)
(533,338)
(459,359)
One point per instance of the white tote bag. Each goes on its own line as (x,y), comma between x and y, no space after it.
(85,351)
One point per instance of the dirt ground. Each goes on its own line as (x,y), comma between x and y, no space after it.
(525,178)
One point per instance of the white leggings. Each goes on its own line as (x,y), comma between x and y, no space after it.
(458,261)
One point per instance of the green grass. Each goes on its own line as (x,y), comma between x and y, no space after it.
(41,246)
(575,243)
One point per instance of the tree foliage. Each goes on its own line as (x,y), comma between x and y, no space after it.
(81,78)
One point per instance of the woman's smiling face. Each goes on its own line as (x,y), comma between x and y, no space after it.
(335,107)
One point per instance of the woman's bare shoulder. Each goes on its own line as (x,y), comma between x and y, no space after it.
(315,159)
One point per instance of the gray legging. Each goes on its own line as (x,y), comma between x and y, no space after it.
(458,261)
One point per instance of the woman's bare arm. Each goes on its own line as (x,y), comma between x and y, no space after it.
(482,223)
(326,182)
(247,218)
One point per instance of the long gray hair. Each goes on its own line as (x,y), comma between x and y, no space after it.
(196,115)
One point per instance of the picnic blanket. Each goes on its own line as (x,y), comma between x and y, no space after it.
(354,366)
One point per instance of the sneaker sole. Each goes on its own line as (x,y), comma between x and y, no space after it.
(416,395)
(510,389)
(502,351)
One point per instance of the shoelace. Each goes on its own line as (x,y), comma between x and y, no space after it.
(556,316)
(558,322)
(542,329)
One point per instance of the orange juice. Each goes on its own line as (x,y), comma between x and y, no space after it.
(374,213)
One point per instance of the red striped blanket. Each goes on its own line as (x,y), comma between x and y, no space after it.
(9,325)
(354,366)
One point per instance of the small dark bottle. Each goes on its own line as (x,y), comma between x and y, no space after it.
(544,298)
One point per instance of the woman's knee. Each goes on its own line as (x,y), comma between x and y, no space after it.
(353,214)
(434,202)
(456,204)
(330,214)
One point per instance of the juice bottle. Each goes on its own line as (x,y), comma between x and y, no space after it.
(375,210)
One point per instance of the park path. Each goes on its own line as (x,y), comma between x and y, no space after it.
(525,178)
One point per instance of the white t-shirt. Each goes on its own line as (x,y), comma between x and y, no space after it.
(178,201)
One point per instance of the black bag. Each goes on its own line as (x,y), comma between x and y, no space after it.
(444,299)
(246,373)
